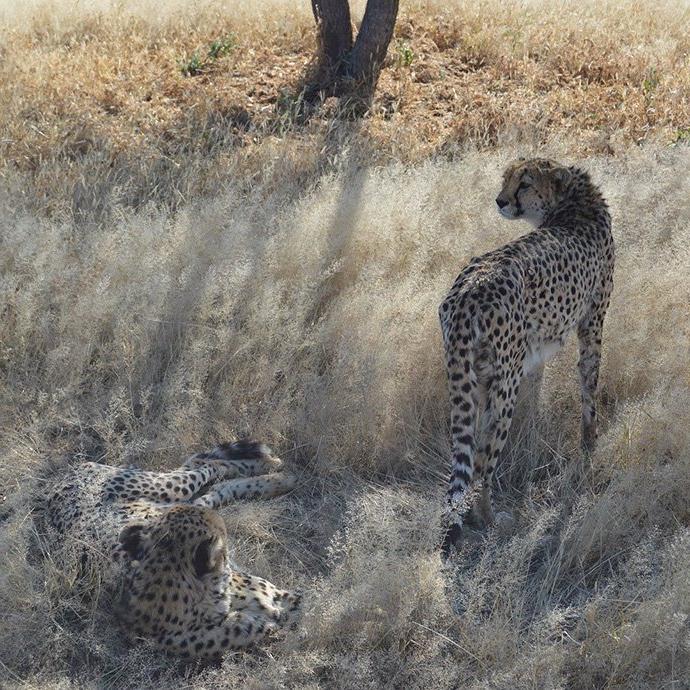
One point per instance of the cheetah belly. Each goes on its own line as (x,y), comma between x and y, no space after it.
(540,351)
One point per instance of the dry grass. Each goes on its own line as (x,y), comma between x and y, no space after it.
(296,301)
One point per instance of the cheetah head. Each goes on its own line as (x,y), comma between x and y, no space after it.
(178,570)
(532,188)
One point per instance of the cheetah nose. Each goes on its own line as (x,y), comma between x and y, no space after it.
(500,202)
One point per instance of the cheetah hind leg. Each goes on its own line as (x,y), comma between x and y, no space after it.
(502,520)
(482,512)
(237,631)
(478,517)
(498,412)
(238,459)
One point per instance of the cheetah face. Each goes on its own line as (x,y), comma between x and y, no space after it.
(531,188)
(178,569)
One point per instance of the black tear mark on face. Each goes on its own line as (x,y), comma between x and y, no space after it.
(518,206)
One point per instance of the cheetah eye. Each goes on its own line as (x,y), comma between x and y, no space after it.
(521,186)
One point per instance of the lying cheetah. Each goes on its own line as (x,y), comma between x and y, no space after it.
(156,536)
(513,308)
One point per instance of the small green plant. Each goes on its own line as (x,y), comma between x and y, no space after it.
(195,64)
(405,54)
(683,136)
(650,82)
(192,66)
(221,47)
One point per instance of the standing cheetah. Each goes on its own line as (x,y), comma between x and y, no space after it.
(155,537)
(513,308)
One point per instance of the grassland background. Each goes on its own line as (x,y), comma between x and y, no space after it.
(189,259)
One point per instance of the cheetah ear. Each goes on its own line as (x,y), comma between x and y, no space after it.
(131,540)
(562,177)
(208,557)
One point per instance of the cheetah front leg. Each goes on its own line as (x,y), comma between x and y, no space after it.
(238,630)
(251,593)
(264,486)
(589,337)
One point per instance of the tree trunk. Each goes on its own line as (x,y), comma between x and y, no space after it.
(347,69)
(335,32)
(372,42)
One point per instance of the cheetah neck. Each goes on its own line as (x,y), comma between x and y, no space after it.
(582,205)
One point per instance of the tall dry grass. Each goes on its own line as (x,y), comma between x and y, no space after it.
(310,321)
(158,295)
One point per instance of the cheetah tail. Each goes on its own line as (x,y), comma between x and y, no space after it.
(462,382)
